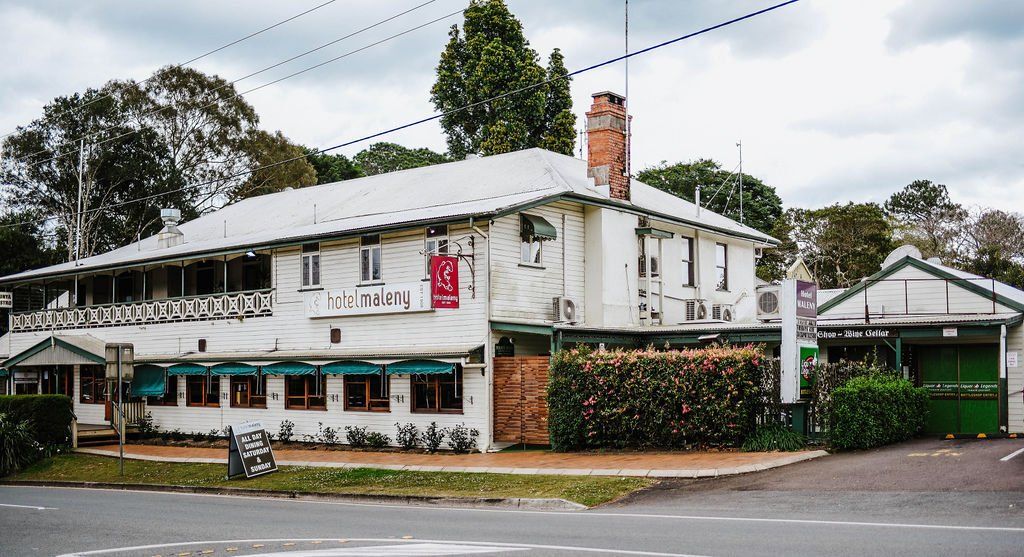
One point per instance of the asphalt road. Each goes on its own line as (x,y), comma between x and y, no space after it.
(914,499)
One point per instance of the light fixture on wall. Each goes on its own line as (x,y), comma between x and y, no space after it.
(250,254)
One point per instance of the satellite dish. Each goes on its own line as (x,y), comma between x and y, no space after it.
(905,250)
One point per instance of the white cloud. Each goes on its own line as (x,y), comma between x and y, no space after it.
(833,101)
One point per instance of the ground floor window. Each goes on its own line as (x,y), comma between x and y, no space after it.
(437,393)
(92,385)
(170,396)
(202,390)
(56,381)
(249,391)
(367,393)
(305,392)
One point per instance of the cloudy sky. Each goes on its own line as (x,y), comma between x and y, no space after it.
(834,100)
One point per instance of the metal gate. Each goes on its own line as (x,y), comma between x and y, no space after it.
(963,384)
(520,399)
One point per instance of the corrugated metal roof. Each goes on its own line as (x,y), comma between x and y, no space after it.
(462,189)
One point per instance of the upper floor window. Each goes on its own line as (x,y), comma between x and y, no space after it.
(310,265)
(369,258)
(722,266)
(687,266)
(435,243)
(533,231)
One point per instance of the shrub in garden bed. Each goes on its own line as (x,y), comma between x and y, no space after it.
(875,410)
(48,416)
(644,398)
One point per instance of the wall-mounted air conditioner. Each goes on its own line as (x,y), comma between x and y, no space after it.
(722,312)
(564,309)
(768,302)
(696,310)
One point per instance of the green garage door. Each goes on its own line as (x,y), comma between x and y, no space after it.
(963,382)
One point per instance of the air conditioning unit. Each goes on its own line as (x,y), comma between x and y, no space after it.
(768,302)
(696,310)
(564,309)
(722,312)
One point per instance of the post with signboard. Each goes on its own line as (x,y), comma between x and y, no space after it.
(120,367)
(249,451)
(799,351)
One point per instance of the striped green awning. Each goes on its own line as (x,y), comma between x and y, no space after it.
(148,380)
(420,367)
(352,367)
(4,372)
(233,368)
(186,369)
(289,368)
(536,226)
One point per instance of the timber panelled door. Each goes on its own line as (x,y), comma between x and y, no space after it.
(963,385)
(520,399)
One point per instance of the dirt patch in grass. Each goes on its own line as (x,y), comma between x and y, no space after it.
(586,490)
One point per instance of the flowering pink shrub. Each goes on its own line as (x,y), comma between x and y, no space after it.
(646,398)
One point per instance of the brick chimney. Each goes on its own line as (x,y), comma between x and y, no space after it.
(607,148)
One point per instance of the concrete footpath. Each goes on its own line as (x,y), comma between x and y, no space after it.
(640,464)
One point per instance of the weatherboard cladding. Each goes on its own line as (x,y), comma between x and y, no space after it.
(483,186)
(1015,380)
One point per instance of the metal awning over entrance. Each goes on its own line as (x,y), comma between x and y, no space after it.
(61,350)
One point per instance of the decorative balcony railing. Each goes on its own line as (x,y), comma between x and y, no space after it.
(196,308)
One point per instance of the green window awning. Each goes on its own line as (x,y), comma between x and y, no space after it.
(148,380)
(289,368)
(533,225)
(420,367)
(186,369)
(4,372)
(351,367)
(654,232)
(233,368)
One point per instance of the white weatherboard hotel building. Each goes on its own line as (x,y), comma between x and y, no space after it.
(317,305)
(313,305)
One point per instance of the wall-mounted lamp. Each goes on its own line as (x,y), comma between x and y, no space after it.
(250,254)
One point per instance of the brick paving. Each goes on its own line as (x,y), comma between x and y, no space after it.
(690,464)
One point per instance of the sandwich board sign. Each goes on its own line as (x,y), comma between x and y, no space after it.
(249,451)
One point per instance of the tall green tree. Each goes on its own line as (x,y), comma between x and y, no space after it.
(381,158)
(490,56)
(332,168)
(268,150)
(762,206)
(842,243)
(923,215)
(24,244)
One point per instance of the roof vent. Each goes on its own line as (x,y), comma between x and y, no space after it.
(170,236)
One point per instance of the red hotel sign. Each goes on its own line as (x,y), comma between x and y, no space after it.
(444,282)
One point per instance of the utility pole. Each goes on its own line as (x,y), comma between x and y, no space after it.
(626,103)
(78,206)
(740,145)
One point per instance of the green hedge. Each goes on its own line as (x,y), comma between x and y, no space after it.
(645,398)
(875,410)
(49,416)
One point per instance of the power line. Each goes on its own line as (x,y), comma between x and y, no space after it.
(255,73)
(440,115)
(205,54)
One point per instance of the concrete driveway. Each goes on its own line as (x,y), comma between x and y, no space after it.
(924,480)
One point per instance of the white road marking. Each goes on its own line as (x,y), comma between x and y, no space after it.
(582,514)
(396,550)
(28,507)
(1011,455)
(502,546)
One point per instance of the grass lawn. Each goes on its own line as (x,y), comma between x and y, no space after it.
(358,481)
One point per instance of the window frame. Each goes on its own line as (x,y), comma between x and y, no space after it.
(365,382)
(207,382)
(526,243)
(440,242)
(170,390)
(435,383)
(97,398)
(310,270)
(687,260)
(722,267)
(56,381)
(306,392)
(250,382)
(371,245)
